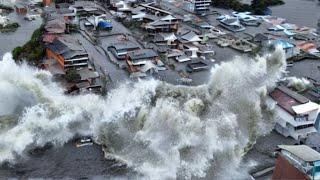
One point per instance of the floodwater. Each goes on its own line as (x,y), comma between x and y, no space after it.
(300,12)
(8,41)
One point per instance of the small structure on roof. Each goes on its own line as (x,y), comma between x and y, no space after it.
(297,162)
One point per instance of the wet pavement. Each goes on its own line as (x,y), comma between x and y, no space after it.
(10,40)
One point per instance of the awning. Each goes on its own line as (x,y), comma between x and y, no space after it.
(305,108)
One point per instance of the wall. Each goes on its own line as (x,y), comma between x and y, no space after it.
(284,170)
(57,57)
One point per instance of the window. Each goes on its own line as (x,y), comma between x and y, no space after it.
(301,118)
(303,126)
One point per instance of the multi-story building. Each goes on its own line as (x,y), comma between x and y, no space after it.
(197,6)
(296,115)
(296,162)
(67,54)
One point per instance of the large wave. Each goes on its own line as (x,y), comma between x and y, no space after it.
(161,131)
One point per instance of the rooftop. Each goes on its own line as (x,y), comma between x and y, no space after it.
(66,48)
(303,152)
(286,98)
(142,54)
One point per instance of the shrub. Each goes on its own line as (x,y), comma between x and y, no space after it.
(33,50)
(72,75)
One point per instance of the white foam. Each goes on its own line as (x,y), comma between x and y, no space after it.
(161,130)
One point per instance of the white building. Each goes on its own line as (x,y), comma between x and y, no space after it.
(197,6)
(296,115)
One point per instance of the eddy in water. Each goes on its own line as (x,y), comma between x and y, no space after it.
(160,130)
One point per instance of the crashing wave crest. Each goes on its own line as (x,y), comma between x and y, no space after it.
(160,130)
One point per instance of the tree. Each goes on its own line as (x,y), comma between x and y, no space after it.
(16,52)
(72,75)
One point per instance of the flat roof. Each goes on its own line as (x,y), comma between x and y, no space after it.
(124,45)
(66,49)
(286,98)
(305,108)
(198,65)
(142,54)
(303,152)
(154,8)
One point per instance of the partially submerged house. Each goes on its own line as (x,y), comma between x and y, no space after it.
(189,37)
(166,39)
(68,53)
(21,8)
(54,28)
(296,115)
(286,46)
(140,57)
(121,49)
(247,19)
(161,26)
(197,6)
(197,66)
(46,2)
(232,24)
(296,162)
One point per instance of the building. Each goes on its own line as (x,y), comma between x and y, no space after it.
(296,162)
(288,47)
(121,49)
(197,6)
(296,115)
(154,10)
(46,2)
(232,24)
(166,39)
(21,9)
(140,57)
(68,54)
(161,26)
(197,66)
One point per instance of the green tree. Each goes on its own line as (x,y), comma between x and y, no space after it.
(72,75)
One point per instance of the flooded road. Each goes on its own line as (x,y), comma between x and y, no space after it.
(8,41)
